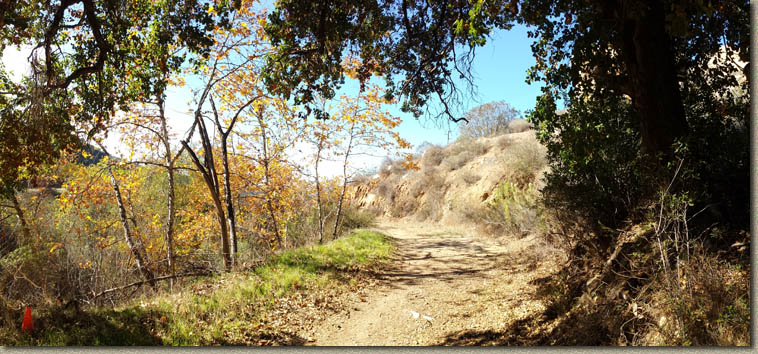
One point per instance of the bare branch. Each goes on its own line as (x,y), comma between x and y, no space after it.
(138,283)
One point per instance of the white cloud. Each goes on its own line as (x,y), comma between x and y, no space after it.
(16,61)
(361,160)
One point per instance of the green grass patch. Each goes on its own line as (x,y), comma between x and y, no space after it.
(231,308)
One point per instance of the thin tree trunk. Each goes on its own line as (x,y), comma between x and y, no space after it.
(20,216)
(229,203)
(212,184)
(211,179)
(338,218)
(224,136)
(208,170)
(318,196)
(267,179)
(136,251)
(171,194)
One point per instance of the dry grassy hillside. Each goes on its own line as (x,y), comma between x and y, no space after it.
(489,181)
(491,185)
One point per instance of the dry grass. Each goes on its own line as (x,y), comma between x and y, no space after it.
(524,161)
(517,126)
(432,157)
(708,305)
(504,141)
(470,177)
(360,179)
(513,210)
(392,167)
(234,308)
(386,189)
(454,162)
(404,206)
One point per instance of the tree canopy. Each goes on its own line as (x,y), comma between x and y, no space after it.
(89,58)
(416,46)
(489,119)
(644,50)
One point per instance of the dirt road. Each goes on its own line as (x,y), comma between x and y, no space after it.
(446,287)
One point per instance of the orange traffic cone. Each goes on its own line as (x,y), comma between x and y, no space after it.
(27,325)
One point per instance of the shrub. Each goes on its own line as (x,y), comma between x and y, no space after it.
(431,207)
(404,206)
(488,119)
(424,182)
(454,162)
(354,218)
(704,296)
(385,169)
(512,210)
(397,168)
(386,189)
(595,168)
(473,146)
(432,157)
(709,304)
(360,179)
(461,152)
(504,141)
(517,126)
(392,167)
(526,159)
(428,187)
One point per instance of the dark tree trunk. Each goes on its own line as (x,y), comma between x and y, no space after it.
(207,169)
(229,201)
(653,87)
(20,215)
(211,181)
(140,256)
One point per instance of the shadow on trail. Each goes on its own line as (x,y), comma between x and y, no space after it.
(267,338)
(573,330)
(443,260)
(577,328)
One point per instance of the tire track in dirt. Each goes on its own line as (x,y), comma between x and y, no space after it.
(463,288)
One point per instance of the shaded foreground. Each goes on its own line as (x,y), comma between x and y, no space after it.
(270,304)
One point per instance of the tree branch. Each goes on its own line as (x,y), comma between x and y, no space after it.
(141,282)
(94,23)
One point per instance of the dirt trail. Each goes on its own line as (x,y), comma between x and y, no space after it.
(447,287)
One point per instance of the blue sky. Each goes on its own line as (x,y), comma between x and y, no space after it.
(499,74)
